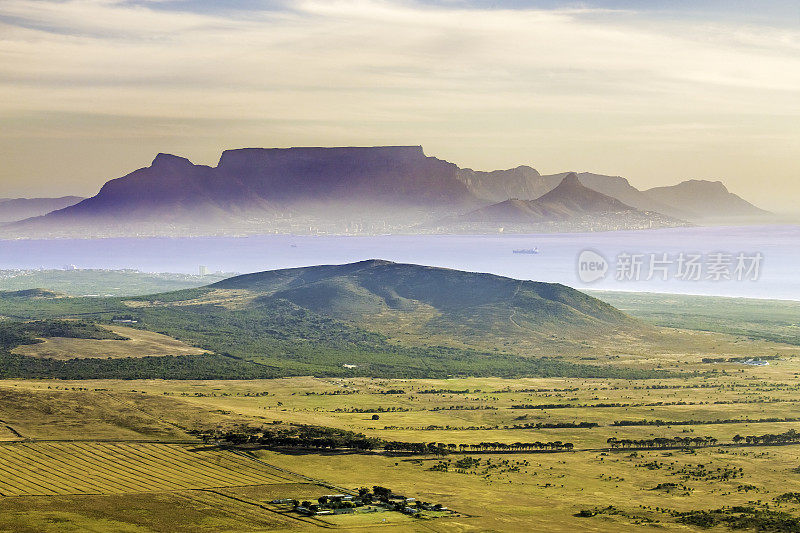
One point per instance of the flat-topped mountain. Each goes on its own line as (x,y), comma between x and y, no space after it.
(257,188)
(349,190)
(380,174)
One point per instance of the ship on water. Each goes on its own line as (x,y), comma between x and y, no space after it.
(530,251)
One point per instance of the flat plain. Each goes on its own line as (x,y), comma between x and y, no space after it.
(155,460)
(674,430)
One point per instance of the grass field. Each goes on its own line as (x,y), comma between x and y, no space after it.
(157,469)
(71,468)
(112,455)
(138,343)
(775,320)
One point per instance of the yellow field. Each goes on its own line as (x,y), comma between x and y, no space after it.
(102,486)
(140,343)
(139,484)
(61,468)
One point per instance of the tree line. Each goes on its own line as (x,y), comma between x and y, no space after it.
(320,437)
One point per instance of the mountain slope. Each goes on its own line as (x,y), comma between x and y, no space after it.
(435,300)
(703,199)
(12,209)
(253,187)
(569,206)
(689,200)
(349,190)
(619,188)
(372,318)
(570,199)
(521,182)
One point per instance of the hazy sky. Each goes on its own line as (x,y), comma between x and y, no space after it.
(656,91)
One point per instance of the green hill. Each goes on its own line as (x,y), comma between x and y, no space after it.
(372,318)
(403,298)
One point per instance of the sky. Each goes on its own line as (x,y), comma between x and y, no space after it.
(656,91)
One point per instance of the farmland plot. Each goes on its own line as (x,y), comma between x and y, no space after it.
(74,468)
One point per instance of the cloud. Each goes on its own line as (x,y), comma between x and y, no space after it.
(55,51)
(379,69)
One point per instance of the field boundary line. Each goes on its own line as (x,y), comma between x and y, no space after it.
(290,472)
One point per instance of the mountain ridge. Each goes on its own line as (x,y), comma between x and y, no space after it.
(15,209)
(569,203)
(691,197)
(375,189)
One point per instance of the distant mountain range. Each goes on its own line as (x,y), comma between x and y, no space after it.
(692,200)
(12,209)
(368,190)
(570,202)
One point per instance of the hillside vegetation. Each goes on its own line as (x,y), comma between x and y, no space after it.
(373,318)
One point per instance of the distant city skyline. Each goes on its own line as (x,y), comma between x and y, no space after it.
(657,92)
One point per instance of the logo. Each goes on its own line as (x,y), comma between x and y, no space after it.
(591,266)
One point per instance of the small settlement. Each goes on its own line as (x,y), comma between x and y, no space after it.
(379,499)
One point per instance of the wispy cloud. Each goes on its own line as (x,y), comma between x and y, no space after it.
(378,62)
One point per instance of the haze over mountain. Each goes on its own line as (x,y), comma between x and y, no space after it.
(569,205)
(255,189)
(703,199)
(689,200)
(351,190)
(12,209)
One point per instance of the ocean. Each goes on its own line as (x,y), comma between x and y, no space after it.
(771,255)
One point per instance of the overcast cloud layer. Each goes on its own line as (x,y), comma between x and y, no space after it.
(91,89)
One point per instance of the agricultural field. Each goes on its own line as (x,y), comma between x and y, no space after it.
(592,487)
(229,408)
(134,343)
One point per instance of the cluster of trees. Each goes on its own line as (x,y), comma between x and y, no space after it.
(789,437)
(700,422)
(391,409)
(189,367)
(296,436)
(741,517)
(336,392)
(446,391)
(380,496)
(662,442)
(465,408)
(566,405)
(439,448)
(320,437)
(164,367)
(555,425)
